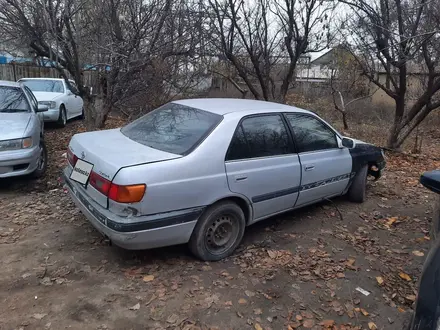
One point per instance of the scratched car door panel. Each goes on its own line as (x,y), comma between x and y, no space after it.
(325,167)
(262,165)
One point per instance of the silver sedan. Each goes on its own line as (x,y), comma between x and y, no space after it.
(22,148)
(200,171)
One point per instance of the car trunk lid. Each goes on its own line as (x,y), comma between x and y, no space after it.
(109,151)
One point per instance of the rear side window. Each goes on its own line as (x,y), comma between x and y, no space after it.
(260,136)
(311,134)
(173,128)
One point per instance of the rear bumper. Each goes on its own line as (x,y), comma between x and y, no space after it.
(18,162)
(51,115)
(135,233)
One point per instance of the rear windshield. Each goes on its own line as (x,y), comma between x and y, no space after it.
(173,128)
(12,99)
(41,85)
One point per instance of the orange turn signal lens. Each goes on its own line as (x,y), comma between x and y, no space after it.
(27,143)
(127,194)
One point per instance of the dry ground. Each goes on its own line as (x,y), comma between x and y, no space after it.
(299,270)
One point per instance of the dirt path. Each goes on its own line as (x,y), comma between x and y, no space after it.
(299,270)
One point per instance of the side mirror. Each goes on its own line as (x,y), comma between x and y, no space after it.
(346,143)
(42,108)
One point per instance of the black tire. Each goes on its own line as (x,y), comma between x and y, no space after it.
(435,226)
(222,219)
(62,118)
(42,162)
(357,191)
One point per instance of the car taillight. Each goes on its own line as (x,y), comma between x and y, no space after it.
(127,194)
(71,157)
(118,193)
(99,183)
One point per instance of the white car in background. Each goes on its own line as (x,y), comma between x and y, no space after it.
(63,100)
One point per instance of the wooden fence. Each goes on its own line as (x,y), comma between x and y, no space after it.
(14,72)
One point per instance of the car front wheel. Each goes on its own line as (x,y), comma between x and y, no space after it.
(62,118)
(218,232)
(42,161)
(357,191)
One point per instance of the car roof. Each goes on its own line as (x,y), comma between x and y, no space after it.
(6,83)
(58,79)
(222,106)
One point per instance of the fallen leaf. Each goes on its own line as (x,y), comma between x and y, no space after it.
(340,275)
(372,326)
(173,318)
(418,253)
(228,303)
(405,276)
(272,254)
(39,316)
(328,323)
(258,327)
(364,312)
(401,310)
(258,311)
(391,221)
(379,280)
(308,324)
(299,318)
(135,307)
(148,278)
(242,301)
(411,297)
(249,293)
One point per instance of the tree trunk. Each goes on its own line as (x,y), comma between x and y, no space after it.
(344,120)
(393,139)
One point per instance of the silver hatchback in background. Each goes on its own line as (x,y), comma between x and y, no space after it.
(22,147)
(201,170)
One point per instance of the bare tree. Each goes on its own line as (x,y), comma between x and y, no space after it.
(138,47)
(264,40)
(394,40)
(348,85)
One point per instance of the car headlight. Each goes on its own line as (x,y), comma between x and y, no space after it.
(50,104)
(16,144)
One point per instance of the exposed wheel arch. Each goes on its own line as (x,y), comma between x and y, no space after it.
(242,202)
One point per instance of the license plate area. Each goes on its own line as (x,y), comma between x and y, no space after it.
(81,172)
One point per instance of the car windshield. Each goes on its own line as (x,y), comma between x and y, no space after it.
(172,128)
(12,99)
(42,85)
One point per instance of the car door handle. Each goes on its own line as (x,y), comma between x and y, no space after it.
(309,168)
(240,178)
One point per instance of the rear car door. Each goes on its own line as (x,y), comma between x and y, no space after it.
(326,168)
(262,165)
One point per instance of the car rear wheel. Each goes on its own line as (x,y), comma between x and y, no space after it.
(62,118)
(42,161)
(357,191)
(218,232)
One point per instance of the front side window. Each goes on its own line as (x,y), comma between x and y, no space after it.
(259,136)
(43,85)
(173,128)
(72,87)
(310,133)
(13,99)
(31,97)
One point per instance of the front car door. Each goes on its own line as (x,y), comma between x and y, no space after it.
(34,103)
(262,165)
(77,100)
(326,168)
